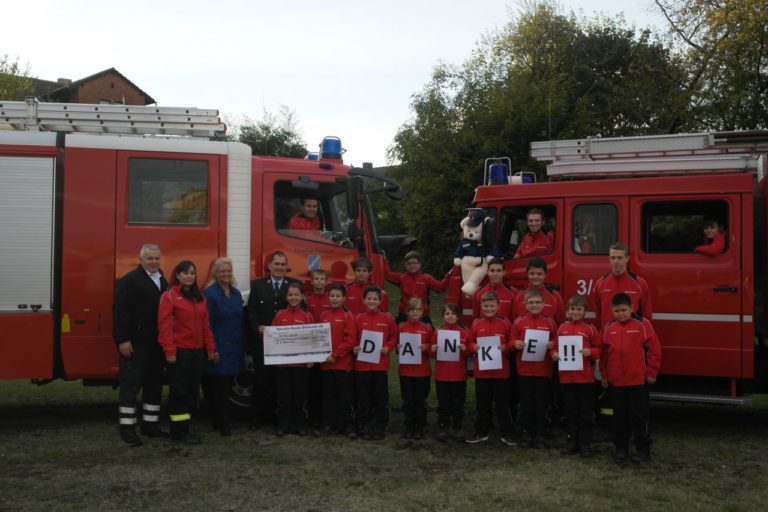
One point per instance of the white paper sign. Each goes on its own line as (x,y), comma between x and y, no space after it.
(488,353)
(370,346)
(448,345)
(569,350)
(410,348)
(289,344)
(535,348)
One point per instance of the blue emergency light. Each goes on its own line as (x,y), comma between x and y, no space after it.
(498,174)
(331,148)
(312,156)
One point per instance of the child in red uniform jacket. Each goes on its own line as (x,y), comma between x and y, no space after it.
(554,307)
(630,361)
(578,387)
(356,290)
(413,283)
(292,380)
(185,336)
(337,369)
(371,378)
(714,239)
(317,300)
(451,376)
(506,294)
(414,378)
(533,376)
(490,385)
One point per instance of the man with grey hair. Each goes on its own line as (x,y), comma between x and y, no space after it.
(134,320)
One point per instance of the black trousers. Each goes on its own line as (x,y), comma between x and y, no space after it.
(513,389)
(292,386)
(315,396)
(579,408)
(217,389)
(415,391)
(184,378)
(534,404)
(488,392)
(142,371)
(372,400)
(630,414)
(337,399)
(451,397)
(263,394)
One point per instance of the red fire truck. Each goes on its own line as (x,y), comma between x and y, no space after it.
(82,187)
(654,194)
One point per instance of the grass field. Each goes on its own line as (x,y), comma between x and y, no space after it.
(59,450)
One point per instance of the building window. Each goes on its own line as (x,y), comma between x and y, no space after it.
(678,226)
(164,191)
(594,228)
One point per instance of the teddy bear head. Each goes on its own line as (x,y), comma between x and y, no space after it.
(472,225)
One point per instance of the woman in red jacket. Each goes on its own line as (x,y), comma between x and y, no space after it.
(185,336)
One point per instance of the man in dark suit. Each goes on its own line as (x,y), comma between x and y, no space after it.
(267,297)
(141,359)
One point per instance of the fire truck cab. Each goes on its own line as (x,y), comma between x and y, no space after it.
(655,194)
(82,189)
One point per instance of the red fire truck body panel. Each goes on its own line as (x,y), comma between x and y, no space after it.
(108,196)
(703,306)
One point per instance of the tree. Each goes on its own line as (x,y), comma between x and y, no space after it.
(726,44)
(544,75)
(272,135)
(15,81)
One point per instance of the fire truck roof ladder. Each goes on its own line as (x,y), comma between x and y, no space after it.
(655,154)
(31,115)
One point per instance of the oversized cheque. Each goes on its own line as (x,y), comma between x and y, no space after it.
(288,344)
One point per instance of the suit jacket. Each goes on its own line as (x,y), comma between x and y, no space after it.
(263,304)
(134,312)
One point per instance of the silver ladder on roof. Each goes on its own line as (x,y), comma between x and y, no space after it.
(32,115)
(655,154)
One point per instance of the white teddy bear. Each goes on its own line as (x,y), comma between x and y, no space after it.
(471,254)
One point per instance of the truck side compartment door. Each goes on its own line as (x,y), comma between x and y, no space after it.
(591,226)
(697,298)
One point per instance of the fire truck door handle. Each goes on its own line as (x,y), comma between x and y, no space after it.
(725,289)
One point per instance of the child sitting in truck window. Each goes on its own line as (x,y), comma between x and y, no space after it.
(714,239)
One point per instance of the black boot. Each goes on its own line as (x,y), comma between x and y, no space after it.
(128,435)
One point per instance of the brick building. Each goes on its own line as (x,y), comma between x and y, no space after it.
(108,86)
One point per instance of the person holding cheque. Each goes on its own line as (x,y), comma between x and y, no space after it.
(579,346)
(291,380)
(415,371)
(533,334)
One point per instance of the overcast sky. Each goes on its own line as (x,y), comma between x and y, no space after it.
(346,68)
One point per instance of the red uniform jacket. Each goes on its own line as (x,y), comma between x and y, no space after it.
(354,298)
(609,285)
(533,368)
(492,327)
(535,244)
(343,338)
(591,340)
(317,303)
(631,352)
(378,322)
(453,371)
(415,285)
(183,323)
(425,332)
(554,307)
(299,221)
(293,316)
(506,295)
(712,246)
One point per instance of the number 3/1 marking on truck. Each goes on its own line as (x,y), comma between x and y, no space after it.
(584,287)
